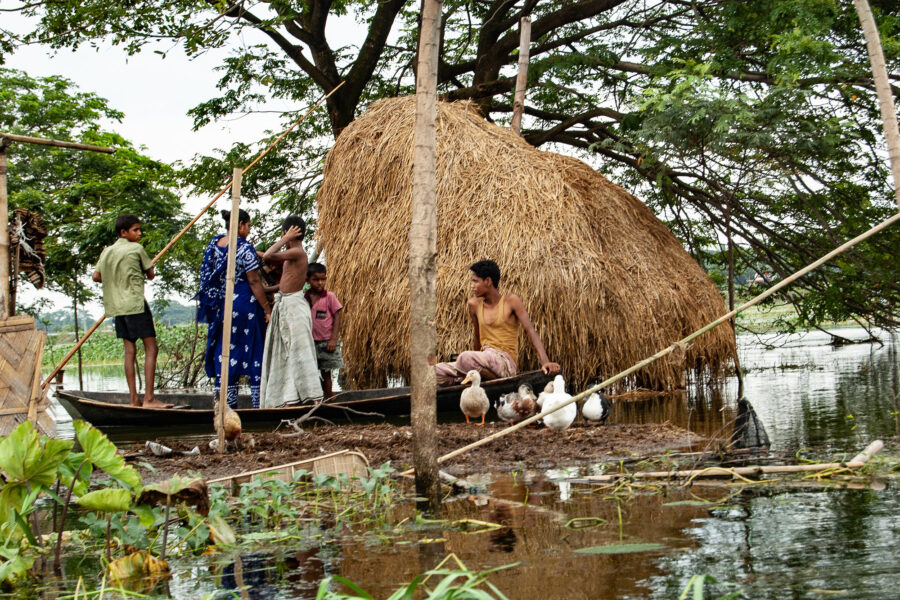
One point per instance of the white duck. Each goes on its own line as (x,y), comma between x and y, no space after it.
(473,401)
(596,408)
(562,418)
(517,406)
(548,389)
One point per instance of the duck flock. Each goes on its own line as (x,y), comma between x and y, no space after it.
(522,404)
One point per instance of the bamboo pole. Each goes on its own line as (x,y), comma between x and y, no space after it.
(4,234)
(233,224)
(723,319)
(423,264)
(184,230)
(36,391)
(858,461)
(883,89)
(522,77)
(56,143)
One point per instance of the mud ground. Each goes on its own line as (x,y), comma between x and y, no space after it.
(527,448)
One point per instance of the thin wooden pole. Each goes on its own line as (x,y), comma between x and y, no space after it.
(883,89)
(4,235)
(423,264)
(233,224)
(36,390)
(56,143)
(723,319)
(184,230)
(522,77)
(858,461)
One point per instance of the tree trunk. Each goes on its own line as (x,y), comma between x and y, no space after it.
(77,336)
(4,234)
(422,263)
(729,235)
(882,86)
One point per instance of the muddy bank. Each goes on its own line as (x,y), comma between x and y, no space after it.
(526,448)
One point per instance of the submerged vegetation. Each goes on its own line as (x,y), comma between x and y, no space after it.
(124,531)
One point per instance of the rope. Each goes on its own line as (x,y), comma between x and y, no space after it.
(22,239)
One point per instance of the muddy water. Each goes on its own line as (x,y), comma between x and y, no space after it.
(787,542)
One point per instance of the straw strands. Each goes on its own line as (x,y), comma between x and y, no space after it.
(606,284)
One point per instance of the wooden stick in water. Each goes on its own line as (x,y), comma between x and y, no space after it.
(233,224)
(858,461)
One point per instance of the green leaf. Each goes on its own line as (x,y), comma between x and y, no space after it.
(622,548)
(25,459)
(25,528)
(144,514)
(104,455)
(67,472)
(110,500)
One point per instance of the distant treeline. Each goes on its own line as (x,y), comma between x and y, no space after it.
(168,313)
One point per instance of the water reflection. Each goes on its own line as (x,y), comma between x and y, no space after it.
(797,541)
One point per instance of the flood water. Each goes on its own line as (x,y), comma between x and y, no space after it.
(792,541)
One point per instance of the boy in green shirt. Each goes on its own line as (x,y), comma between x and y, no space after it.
(121,269)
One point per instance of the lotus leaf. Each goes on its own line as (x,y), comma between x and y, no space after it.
(221,532)
(25,459)
(139,564)
(622,548)
(110,500)
(192,492)
(104,455)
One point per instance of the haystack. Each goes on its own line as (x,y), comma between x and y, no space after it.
(605,282)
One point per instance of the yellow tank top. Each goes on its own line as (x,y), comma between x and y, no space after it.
(501,334)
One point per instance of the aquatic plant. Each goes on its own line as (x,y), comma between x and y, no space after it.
(456,583)
(696,588)
(99,452)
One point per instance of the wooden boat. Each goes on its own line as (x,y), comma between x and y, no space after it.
(107,410)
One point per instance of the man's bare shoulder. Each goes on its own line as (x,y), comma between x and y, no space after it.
(514,300)
(473,303)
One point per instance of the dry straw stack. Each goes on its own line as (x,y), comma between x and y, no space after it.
(605,282)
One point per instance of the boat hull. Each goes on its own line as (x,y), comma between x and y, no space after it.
(109,410)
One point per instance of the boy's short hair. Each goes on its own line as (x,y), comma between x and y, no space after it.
(487,268)
(243,216)
(294,221)
(316,267)
(125,222)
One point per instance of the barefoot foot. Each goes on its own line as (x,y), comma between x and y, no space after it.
(154,403)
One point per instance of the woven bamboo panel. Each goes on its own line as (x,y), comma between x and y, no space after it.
(21,349)
(353,463)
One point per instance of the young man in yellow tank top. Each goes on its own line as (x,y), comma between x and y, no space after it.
(495,321)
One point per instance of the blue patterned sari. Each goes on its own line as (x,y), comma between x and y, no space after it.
(248,323)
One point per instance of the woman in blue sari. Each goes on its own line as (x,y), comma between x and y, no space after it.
(250,311)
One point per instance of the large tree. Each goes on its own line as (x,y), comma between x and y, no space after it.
(754,122)
(80,194)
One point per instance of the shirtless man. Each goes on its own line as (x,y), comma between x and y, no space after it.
(290,371)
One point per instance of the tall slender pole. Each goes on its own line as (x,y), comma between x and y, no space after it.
(423,264)
(4,235)
(883,89)
(233,224)
(522,77)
